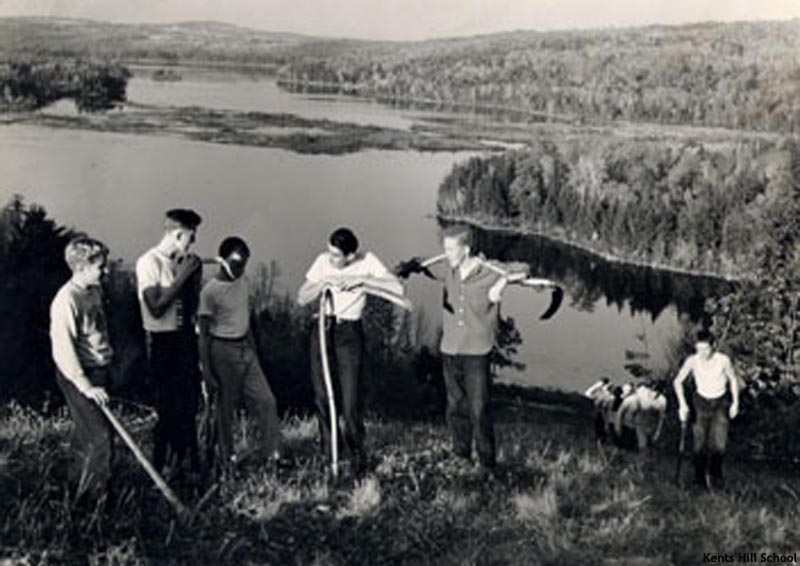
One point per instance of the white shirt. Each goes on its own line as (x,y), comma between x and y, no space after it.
(347,305)
(643,399)
(598,390)
(156,268)
(227,305)
(710,375)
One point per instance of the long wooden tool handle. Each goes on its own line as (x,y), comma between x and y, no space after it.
(528,282)
(326,374)
(393,298)
(536,282)
(516,279)
(681,451)
(433,260)
(145,463)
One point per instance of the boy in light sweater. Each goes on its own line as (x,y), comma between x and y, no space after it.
(82,353)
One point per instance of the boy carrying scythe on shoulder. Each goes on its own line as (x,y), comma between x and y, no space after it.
(471,297)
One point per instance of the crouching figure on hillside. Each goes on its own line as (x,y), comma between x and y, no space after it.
(641,413)
(626,414)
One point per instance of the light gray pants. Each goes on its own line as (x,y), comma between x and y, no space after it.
(238,370)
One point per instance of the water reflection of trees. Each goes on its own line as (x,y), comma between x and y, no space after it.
(588,278)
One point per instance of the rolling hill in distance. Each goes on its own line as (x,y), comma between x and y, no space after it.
(733,75)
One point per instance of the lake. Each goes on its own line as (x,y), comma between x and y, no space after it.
(115,186)
(244,93)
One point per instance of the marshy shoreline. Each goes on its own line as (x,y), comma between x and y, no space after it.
(251,129)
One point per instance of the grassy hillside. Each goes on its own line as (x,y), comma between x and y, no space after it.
(557,499)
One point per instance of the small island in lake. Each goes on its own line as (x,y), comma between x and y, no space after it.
(166,75)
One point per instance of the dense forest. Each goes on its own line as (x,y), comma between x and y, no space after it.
(32,84)
(203,42)
(743,75)
(737,75)
(681,204)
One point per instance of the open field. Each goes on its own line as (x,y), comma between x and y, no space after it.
(556,499)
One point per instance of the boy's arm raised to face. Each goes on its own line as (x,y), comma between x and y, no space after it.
(158,298)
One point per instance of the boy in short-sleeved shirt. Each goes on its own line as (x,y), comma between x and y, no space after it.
(168,281)
(155,267)
(228,353)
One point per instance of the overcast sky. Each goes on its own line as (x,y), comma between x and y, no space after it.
(411,19)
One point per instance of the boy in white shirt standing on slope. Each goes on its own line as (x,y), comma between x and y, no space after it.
(168,285)
(713,377)
(344,268)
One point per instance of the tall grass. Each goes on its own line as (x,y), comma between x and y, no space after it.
(555,499)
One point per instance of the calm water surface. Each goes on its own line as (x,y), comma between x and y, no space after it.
(115,186)
(228,91)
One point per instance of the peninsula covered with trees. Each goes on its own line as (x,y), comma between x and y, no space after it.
(686,205)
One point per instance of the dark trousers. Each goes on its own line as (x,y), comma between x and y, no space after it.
(710,433)
(238,370)
(345,342)
(92,436)
(469,416)
(175,368)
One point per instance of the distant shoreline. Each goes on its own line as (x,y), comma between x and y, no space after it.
(355,90)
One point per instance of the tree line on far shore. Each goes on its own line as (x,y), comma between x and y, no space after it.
(30,84)
(734,75)
(737,75)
